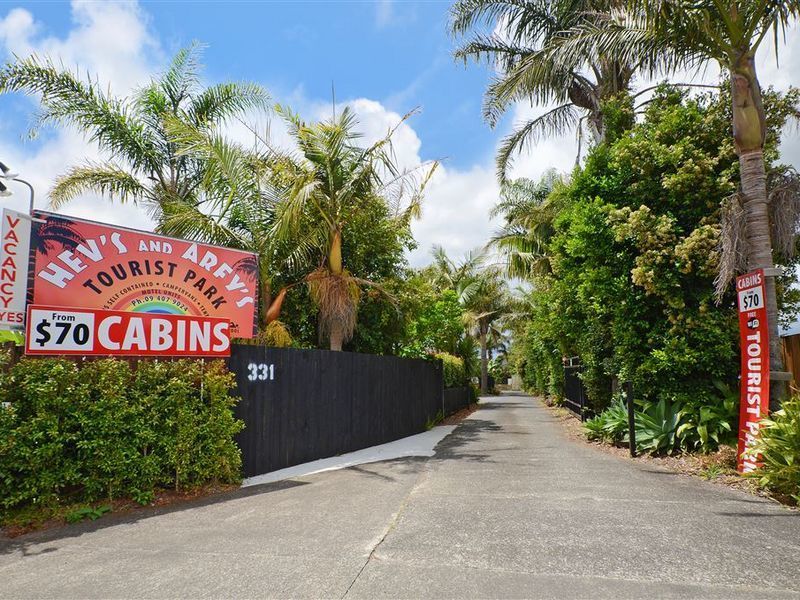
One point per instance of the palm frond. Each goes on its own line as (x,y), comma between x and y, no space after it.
(65,99)
(106,179)
(218,103)
(183,75)
(553,122)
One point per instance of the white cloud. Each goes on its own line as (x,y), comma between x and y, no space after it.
(108,39)
(455,213)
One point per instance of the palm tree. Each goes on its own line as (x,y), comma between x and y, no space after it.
(326,180)
(522,30)
(445,274)
(481,291)
(142,165)
(669,35)
(529,210)
(485,306)
(237,208)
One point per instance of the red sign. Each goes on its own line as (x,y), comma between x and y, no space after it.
(87,331)
(754,386)
(15,245)
(82,264)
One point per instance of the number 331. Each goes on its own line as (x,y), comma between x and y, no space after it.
(261,372)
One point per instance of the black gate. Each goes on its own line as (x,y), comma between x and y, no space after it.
(574,392)
(302,405)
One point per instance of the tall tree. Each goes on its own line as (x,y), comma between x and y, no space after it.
(486,304)
(481,291)
(670,35)
(516,43)
(237,211)
(321,184)
(142,163)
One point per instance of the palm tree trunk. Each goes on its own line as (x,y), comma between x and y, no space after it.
(749,132)
(484,362)
(336,337)
(759,243)
(266,301)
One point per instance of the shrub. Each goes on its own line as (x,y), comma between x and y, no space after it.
(657,427)
(779,446)
(696,424)
(70,434)
(453,370)
(611,425)
(499,369)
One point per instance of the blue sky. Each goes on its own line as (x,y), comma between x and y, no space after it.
(397,53)
(384,58)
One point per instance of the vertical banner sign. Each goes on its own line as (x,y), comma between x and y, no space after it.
(83,264)
(754,386)
(15,237)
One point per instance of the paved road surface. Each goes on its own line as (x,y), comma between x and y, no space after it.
(508,507)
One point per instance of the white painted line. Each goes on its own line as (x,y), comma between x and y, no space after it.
(421,444)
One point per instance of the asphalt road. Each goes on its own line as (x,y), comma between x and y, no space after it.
(507,507)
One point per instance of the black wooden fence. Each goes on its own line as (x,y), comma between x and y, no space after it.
(302,405)
(455,399)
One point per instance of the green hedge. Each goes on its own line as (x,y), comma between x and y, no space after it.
(455,375)
(103,430)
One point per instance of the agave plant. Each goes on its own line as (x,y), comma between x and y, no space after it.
(657,427)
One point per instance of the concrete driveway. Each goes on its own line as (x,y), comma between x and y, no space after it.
(507,507)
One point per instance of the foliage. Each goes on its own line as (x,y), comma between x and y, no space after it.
(528,213)
(707,423)
(499,369)
(483,294)
(611,425)
(669,425)
(668,37)
(105,430)
(656,427)
(275,335)
(87,512)
(453,370)
(437,327)
(15,337)
(779,446)
(323,184)
(435,420)
(142,163)
(521,41)
(634,255)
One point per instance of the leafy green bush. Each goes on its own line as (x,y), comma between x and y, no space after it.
(632,253)
(70,434)
(779,446)
(611,425)
(499,369)
(454,373)
(708,421)
(697,424)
